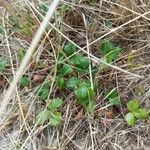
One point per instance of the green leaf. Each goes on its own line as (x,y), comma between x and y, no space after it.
(69,49)
(106,47)
(43,94)
(133,105)
(66,70)
(141,113)
(55,103)
(55,118)
(80,62)
(43,9)
(25,81)
(115,101)
(130,119)
(61,56)
(43,86)
(42,116)
(113,55)
(72,83)
(60,82)
(3,64)
(85,62)
(90,106)
(82,94)
(111,93)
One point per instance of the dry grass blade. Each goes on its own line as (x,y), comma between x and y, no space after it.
(28,55)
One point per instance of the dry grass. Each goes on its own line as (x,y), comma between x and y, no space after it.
(85,24)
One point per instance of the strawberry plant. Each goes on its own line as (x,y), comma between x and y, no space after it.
(25,81)
(51,113)
(43,90)
(110,52)
(112,96)
(135,112)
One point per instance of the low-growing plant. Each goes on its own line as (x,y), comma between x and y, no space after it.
(51,113)
(25,81)
(135,112)
(43,90)
(112,96)
(85,96)
(77,64)
(110,52)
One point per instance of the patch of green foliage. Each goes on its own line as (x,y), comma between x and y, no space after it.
(110,52)
(112,96)
(135,112)
(51,113)
(43,90)
(25,81)
(67,76)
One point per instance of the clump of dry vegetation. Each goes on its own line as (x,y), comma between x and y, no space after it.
(86,85)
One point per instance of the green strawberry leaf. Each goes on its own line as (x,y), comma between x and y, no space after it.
(115,101)
(130,119)
(55,118)
(66,70)
(60,82)
(55,103)
(80,62)
(111,93)
(133,105)
(81,94)
(42,116)
(69,49)
(25,81)
(72,83)
(141,113)
(43,94)
(43,9)
(113,55)
(106,47)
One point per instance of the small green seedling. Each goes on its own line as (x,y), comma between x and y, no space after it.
(112,96)
(72,83)
(109,52)
(25,81)
(51,113)
(69,49)
(60,82)
(3,64)
(66,70)
(80,63)
(43,9)
(43,90)
(85,96)
(135,112)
